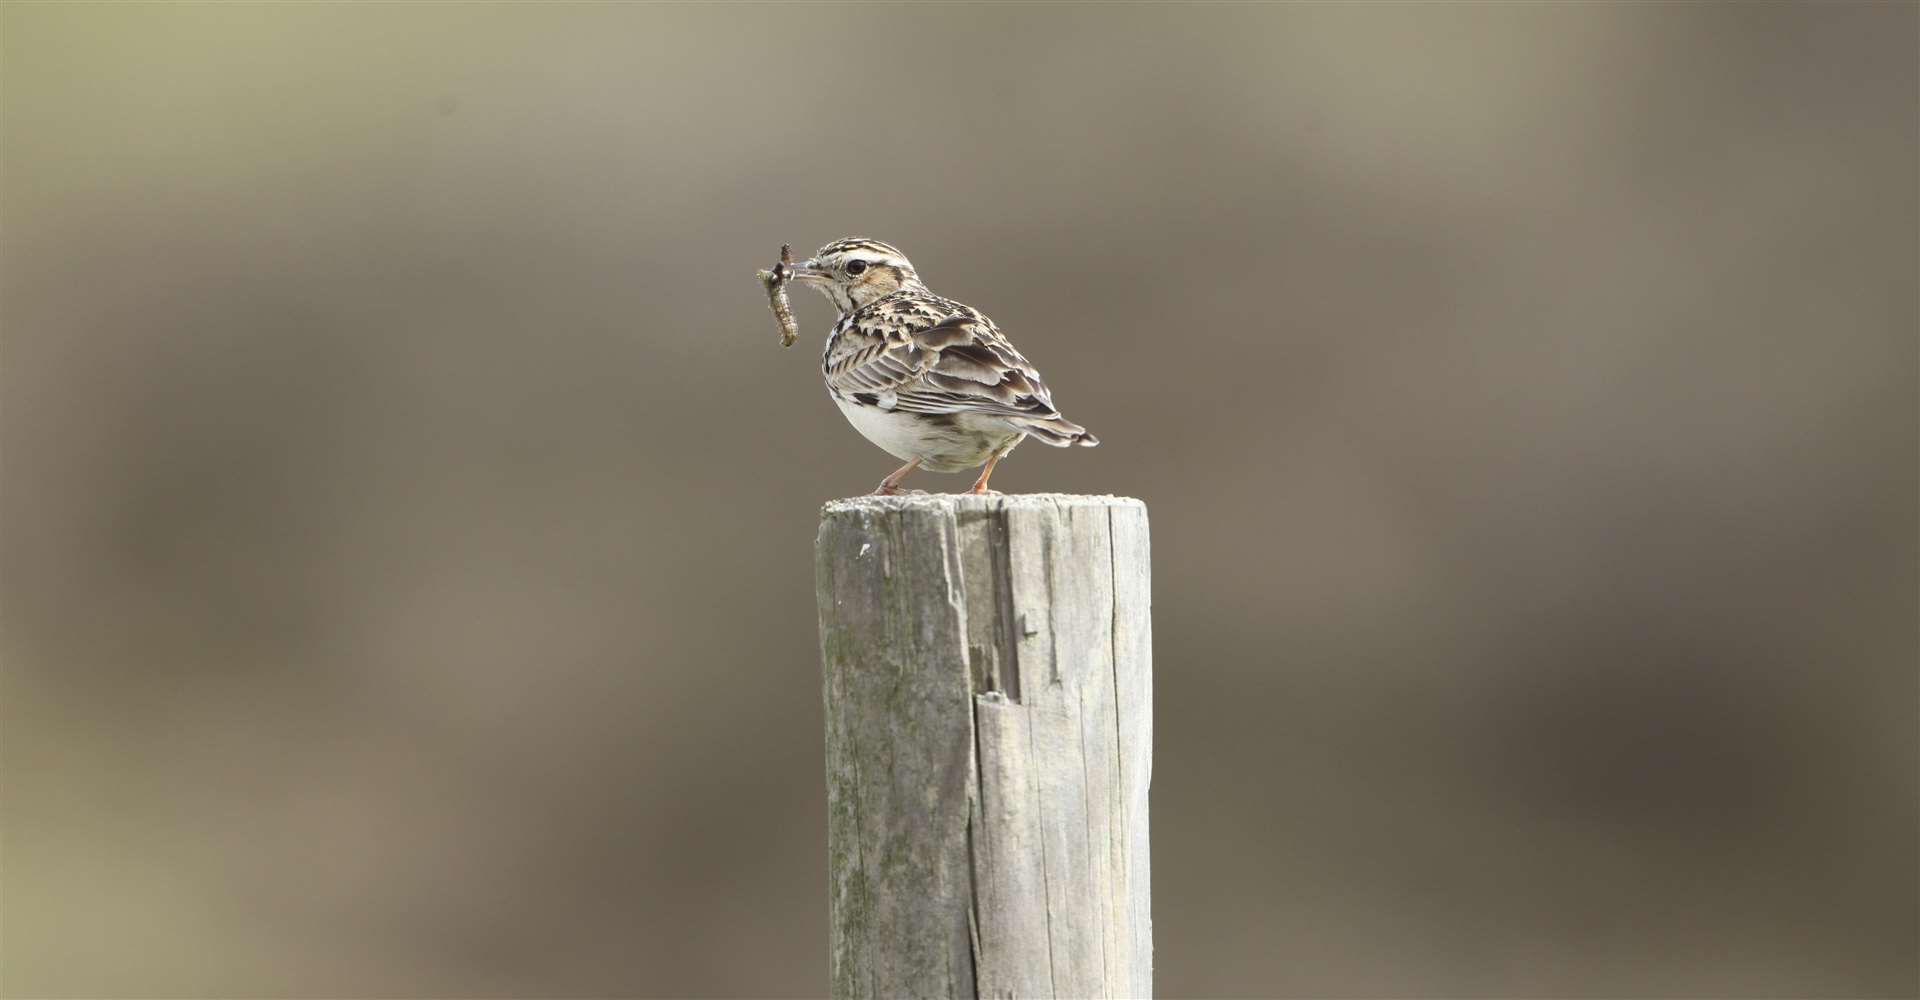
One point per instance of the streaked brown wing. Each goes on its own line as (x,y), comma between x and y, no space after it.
(958,365)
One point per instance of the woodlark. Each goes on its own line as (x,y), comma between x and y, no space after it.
(932,381)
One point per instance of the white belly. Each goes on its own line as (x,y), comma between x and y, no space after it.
(897,434)
(954,447)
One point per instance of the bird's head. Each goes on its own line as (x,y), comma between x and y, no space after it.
(855,271)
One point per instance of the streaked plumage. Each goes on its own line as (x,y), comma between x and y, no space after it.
(931,381)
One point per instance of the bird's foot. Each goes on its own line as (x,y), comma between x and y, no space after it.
(982,491)
(890,486)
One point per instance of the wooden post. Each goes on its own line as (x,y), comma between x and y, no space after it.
(989,705)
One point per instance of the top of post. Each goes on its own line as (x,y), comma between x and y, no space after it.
(969,502)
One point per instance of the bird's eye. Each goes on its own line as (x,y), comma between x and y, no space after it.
(856,266)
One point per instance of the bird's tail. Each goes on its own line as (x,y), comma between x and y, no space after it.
(1058,432)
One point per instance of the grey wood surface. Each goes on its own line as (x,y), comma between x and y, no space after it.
(989,705)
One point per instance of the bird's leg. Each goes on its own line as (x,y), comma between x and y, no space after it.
(980,485)
(891,485)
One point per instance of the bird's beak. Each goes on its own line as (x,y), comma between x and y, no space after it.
(807,271)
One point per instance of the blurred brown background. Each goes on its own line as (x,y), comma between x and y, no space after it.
(408,513)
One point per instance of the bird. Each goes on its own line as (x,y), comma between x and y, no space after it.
(929,380)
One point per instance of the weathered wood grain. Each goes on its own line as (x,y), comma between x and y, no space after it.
(989,705)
